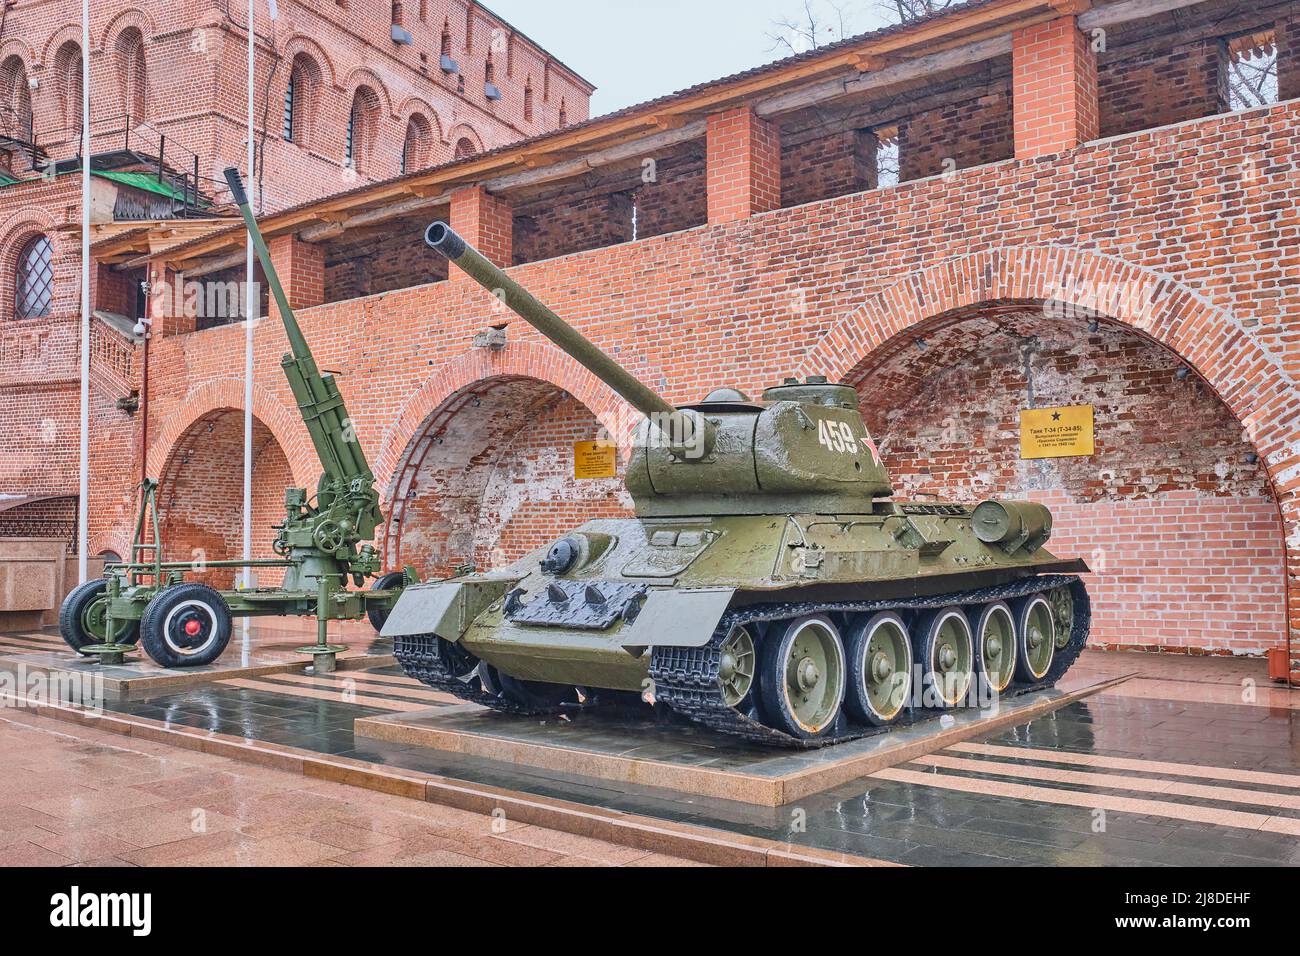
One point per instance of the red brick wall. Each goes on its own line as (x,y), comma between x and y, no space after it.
(1288,55)
(496,479)
(1176,520)
(1153,84)
(1055,88)
(201,491)
(956,136)
(827,166)
(743,165)
(676,198)
(589,222)
(486,222)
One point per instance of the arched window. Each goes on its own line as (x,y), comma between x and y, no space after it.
(564,113)
(34,279)
(16,120)
(132,76)
(288,110)
(363,124)
(67,74)
(416,145)
(465,147)
(489,70)
(528,100)
(446,38)
(300,98)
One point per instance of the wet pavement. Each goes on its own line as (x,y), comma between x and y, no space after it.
(82,796)
(1196,761)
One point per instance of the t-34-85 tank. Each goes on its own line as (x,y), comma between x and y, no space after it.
(767,587)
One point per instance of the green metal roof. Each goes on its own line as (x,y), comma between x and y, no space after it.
(146,181)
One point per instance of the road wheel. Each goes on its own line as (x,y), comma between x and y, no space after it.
(378,615)
(83,613)
(802,680)
(1036,638)
(737,664)
(995,646)
(880,661)
(186,625)
(946,656)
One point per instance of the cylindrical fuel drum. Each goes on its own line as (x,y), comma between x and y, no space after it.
(1000,522)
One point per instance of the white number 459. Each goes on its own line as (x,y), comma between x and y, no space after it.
(837,436)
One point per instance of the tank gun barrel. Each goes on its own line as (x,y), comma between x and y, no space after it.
(442,238)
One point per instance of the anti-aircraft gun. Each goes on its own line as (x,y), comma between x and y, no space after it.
(323,541)
(767,587)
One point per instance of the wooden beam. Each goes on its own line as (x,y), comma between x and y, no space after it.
(1116,13)
(920,68)
(636,149)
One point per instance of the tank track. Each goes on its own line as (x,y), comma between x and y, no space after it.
(420,659)
(686,678)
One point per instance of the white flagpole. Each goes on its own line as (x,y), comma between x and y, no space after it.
(83,484)
(252,301)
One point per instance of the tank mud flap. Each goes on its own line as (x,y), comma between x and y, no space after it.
(678,618)
(445,608)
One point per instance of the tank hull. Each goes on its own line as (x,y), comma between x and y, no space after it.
(647,604)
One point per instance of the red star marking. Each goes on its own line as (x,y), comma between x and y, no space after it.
(870,445)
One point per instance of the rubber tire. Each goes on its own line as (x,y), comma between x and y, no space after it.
(376,615)
(855,698)
(1024,674)
(155,615)
(927,628)
(771,680)
(75,605)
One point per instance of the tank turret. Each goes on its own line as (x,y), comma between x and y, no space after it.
(803,446)
(768,587)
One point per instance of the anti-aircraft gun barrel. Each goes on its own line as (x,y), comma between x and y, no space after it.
(442,238)
(317,394)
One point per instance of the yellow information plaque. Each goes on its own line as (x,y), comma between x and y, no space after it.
(1056,432)
(594,459)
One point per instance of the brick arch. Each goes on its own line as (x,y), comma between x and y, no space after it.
(15,233)
(133,17)
(1246,375)
(464,131)
(118,541)
(284,425)
(418,104)
(363,76)
(482,403)
(298,43)
(69,32)
(518,359)
(14,46)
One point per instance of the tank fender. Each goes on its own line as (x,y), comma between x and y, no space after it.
(678,618)
(445,608)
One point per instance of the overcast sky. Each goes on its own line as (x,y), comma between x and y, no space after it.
(637,50)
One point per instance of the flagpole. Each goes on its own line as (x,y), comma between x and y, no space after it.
(252,301)
(83,480)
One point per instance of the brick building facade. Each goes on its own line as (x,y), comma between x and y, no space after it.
(1083,215)
(342,98)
